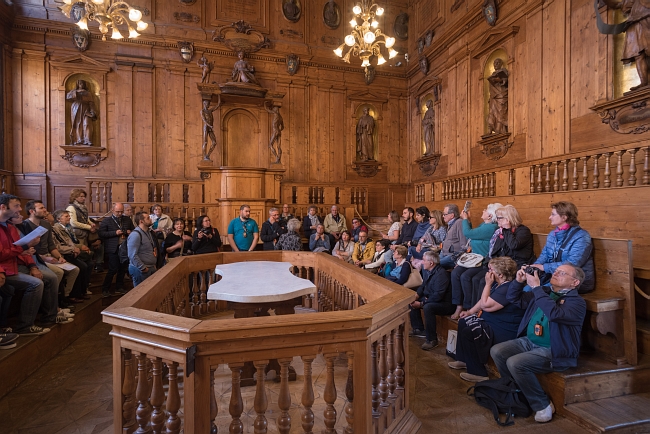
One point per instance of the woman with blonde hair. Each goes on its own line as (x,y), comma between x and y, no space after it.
(395,227)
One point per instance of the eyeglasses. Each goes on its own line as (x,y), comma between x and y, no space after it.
(564,273)
(500,218)
(446,213)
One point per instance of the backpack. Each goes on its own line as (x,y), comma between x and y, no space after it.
(123,250)
(501,396)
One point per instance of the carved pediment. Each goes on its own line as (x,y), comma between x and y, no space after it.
(368,96)
(492,39)
(241,36)
(79,61)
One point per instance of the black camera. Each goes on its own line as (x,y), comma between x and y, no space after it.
(205,231)
(531,270)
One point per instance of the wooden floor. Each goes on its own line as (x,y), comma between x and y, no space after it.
(72,394)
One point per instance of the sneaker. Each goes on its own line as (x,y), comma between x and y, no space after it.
(8,340)
(106,294)
(417,333)
(33,331)
(457,365)
(121,291)
(67,310)
(429,345)
(65,314)
(6,330)
(89,292)
(63,320)
(472,378)
(545,415)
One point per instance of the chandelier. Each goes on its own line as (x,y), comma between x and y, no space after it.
(366,38)
(108,13)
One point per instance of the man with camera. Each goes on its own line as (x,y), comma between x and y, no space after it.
(549,333)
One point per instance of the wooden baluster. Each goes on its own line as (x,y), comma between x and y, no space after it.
(538,185)
(261,403)
(307,399)
(329,415)
(383,373)
(392,365)
(157,397)
(458,192)
(400,359)
(632,179)
(479,183)
(595,183)
(349,394)
(173,424)
(214,408)
(585,173)
(565,175)
(104,206)
(375,382)
(511,182)
(619,168)
(236,406)
(128,391)
(204,293)
(556,177)
(532,179)
(444,190)
(646,165)
(143,413)
(574,176)
(465,188)
(284,399)
(547,178)
(493,182)
(607,182)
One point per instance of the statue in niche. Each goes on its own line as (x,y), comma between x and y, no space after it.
(427,128)
(278,125)
(637,26)
(206,68)
(365,140)
(243,72)
(332,15)
(208,128)
(291,10)
(82,114)
(498,104)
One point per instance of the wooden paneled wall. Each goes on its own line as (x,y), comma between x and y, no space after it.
(149,110)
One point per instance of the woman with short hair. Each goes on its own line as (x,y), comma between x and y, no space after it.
(383,254)
(492,320)
(344,247)
(401,268)
(291,240)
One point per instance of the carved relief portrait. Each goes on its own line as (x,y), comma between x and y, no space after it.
(292,10)
(80,38)
(424,65)
(332,15)
(401,26)
(293,61)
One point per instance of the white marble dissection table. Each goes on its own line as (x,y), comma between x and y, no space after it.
(252,289)
(258,282)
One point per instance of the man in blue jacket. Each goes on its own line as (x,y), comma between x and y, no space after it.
(434,298)
(548,336)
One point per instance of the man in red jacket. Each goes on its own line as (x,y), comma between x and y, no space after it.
(10,255)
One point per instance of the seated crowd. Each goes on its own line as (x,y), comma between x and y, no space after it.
(524,312)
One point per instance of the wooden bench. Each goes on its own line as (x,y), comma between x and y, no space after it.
(610,325)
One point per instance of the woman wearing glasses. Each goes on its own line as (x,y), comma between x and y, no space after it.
(490,321)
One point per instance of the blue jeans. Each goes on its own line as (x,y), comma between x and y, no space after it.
(447,262)
(138,275)
(430,310)
(520,360)
(50,299)
(33,293)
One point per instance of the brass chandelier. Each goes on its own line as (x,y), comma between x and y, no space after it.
(366,38)
(108,13)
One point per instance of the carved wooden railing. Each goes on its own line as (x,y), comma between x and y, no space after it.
(324,196)
(6,178)
(166,356)
(103,192)
(618,167)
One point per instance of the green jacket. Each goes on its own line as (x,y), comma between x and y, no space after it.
(480,236)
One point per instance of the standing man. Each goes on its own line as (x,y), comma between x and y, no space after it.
(143,249)
(334,224)
(271,229)
(243,233)
(31,284)
(549,334)
(113,231)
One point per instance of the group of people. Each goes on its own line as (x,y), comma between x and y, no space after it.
(524,312)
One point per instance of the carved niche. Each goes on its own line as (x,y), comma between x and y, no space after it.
(428,103)
(629,114)
(365,106)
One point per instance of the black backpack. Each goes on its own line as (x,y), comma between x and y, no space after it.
(501,396)
(123,250)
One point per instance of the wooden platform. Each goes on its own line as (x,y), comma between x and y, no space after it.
(32,352)
(623,414)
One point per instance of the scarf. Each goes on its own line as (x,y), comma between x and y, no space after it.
(493,240)
(314,219)
(564,227)
(82,212)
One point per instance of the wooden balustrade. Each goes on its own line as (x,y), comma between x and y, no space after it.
(301,197)
(157,326)
(483,185)
(178,193)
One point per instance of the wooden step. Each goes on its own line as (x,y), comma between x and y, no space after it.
(34,351)
(643,335)
(623,414)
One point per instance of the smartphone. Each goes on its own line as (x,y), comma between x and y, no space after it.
(467,206)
